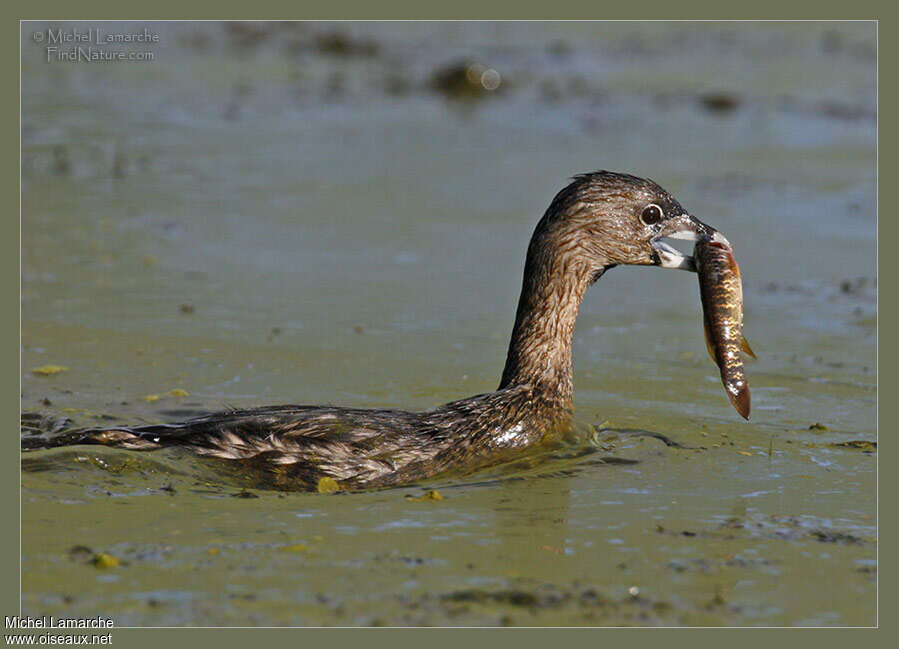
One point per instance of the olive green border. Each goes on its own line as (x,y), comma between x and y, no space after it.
(458,10)
(409,9)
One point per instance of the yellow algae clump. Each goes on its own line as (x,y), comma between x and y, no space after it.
(433,494)
(49,370)
(150,398)
(103,560)
(296,547)
(178,392)
(744,453)
(327,485)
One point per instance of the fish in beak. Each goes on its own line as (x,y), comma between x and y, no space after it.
(686,228)
(721,294)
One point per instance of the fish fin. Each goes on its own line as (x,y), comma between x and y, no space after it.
(740,402)
(732,263)
(708,341)
(744,345)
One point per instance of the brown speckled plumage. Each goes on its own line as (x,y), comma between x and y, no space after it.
(592,225)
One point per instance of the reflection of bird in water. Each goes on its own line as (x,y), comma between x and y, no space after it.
(599,221)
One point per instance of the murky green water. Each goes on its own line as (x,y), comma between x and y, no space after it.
(273,216)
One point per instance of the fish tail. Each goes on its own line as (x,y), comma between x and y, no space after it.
(740,401)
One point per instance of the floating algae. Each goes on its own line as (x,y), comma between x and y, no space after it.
(433,494)
(103,560)
(49,370)
(296,547)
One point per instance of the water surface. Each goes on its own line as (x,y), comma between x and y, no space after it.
(275,215)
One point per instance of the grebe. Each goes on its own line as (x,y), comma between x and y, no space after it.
(599,221)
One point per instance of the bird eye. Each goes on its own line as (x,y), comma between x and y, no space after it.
(651,215)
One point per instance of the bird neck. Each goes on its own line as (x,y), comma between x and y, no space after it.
(540,349)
